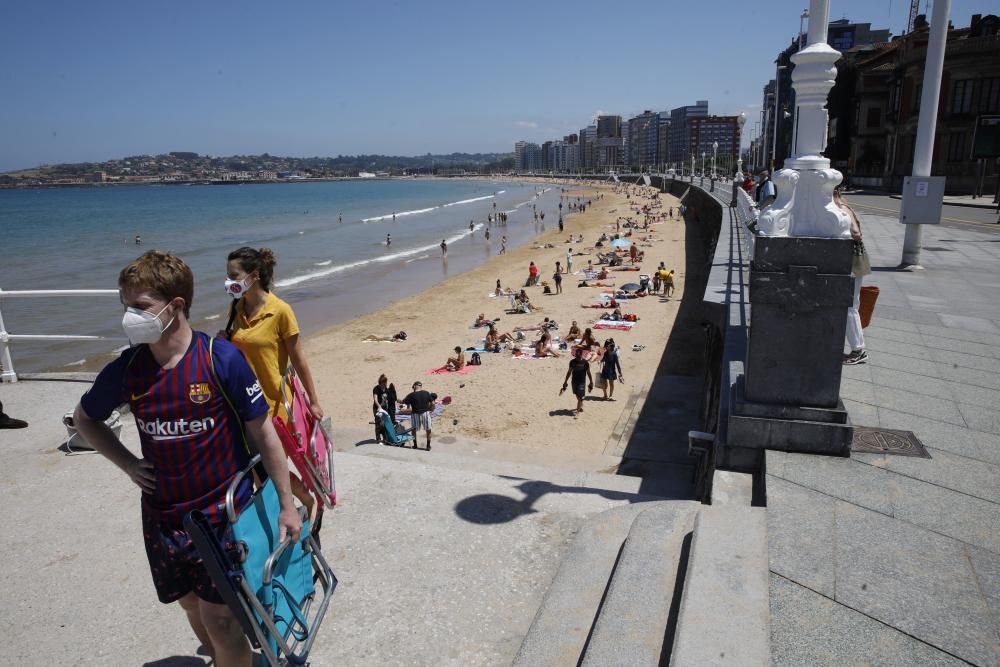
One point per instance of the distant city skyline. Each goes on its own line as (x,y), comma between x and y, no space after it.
(88,83)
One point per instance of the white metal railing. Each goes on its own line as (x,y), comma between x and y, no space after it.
(7,373)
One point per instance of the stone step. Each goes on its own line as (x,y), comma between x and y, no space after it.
(732,489)
(668,483)
(635,621)
(725,609)
(559,631)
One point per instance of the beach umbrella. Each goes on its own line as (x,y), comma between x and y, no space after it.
(621,243)
(630,287)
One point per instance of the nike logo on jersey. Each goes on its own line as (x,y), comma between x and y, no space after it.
(136,398)
(175,430)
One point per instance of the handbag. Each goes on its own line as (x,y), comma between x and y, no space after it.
(600,382)
(860,264)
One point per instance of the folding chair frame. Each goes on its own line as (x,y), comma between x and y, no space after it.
(316,480)
(254,615)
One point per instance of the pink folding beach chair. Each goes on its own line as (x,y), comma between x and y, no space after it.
(307,442)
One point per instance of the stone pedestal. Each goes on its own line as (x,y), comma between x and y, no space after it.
(789,397)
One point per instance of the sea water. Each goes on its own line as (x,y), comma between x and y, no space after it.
(329,239)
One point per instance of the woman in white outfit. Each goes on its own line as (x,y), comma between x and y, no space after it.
(860,268)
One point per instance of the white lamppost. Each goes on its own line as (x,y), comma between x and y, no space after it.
(692,166)
(740,120)
(703,164)
(715,153)
(777,100)
(804,206)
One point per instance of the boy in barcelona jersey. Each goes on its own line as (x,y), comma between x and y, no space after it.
(196,404)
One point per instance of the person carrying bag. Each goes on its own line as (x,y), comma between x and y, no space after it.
(860,267)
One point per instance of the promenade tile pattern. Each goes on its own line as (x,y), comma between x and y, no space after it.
(882,559)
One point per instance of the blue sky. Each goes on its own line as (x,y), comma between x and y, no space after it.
(87,81)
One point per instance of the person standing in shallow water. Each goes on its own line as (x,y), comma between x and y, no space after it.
(444,249)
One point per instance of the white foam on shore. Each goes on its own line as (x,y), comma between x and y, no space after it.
(295,280)
(326,263)
(400,214)
(213,317)
(467,201)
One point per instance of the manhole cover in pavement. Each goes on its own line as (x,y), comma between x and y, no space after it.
(887,441)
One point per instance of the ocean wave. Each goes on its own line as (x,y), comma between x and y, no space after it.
(326,263)
(468,201)
(295,280)
(213,317)
(399,214)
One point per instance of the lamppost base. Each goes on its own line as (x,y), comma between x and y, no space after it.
(904,266)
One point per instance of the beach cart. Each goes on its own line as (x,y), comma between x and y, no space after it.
(279,592)
(307,442)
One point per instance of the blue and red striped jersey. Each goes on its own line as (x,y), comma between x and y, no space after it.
(188,430)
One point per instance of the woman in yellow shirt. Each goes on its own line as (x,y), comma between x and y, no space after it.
(264,328)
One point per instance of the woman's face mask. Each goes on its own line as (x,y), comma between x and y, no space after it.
(237,288)
(144,327)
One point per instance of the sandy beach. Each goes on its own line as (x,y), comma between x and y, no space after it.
(509,400)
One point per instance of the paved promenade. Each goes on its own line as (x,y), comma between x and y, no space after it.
(888,559)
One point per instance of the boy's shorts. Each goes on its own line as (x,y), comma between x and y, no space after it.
(174,562)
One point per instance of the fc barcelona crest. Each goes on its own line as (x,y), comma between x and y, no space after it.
(199,392)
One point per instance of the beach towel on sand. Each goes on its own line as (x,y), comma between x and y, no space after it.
(611,324)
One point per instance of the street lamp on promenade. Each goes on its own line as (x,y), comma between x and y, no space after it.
(715,153)
(740,120)
(692,167)
(777,111)
(801,284)
(703,164)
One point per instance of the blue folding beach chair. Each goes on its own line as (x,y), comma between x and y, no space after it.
(270,587)
(394,436)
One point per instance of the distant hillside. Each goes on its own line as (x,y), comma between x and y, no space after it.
(188,165)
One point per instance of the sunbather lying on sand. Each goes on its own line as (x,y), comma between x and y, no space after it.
(401,336)
(482,320)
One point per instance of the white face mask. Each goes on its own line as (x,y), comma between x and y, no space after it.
(237,288)
(144,327)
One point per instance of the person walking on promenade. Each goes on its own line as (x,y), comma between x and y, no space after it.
(579,374)
(421,404)
(264,327)
(204,395)
(383,398)
(860,267)
(668,283)
(611,368)
(265,330)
